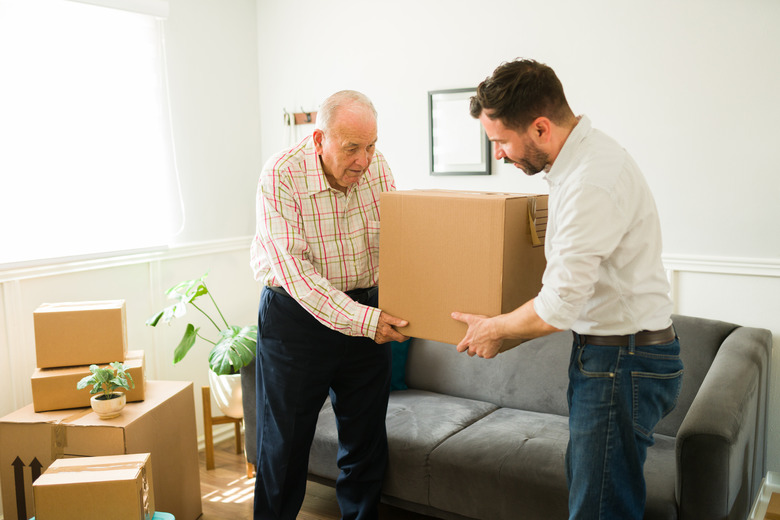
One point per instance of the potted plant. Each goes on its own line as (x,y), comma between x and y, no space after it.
(107,402)
(232,349)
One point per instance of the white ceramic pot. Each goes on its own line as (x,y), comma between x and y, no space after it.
(226,391)
(108,408)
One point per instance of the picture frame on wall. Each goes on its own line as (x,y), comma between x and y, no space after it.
(458,143)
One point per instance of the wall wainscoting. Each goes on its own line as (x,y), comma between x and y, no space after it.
(141,280)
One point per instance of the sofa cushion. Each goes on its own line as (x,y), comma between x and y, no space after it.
(520,457)
(532,376)
(512,454)
(417,422)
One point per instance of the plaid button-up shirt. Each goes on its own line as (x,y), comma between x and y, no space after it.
(317,242)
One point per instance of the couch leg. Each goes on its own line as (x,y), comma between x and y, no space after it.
(250,470)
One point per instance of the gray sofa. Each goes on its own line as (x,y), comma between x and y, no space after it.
(485,439)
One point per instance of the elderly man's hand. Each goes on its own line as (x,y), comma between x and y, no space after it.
(385,331)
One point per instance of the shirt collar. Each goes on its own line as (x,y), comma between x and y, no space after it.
(316,181)
(562,165)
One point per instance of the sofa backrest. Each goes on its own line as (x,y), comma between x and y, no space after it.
(533,376)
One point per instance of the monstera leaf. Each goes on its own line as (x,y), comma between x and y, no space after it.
(235,346)
(185,292)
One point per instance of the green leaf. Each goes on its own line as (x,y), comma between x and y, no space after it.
(167,314)
(82,384)
(186,343)
(184,292)
(106,379)
(234,350)
(188,290)
(152,322)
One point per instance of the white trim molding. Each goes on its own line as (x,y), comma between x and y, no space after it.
(156,8)
(173,252)
(723,265)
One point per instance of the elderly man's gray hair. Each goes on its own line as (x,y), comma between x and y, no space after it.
(340,99)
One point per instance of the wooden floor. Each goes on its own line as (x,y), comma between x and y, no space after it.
(228,493)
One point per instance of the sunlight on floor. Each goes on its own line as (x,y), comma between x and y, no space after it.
(237,492)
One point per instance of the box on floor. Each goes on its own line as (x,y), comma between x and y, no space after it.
(80,333)
(443,251)
(95,488)
(55,388)
(162,425)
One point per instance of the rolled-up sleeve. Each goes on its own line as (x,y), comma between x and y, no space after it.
(589,226)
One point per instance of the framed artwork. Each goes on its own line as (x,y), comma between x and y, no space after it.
(458,143)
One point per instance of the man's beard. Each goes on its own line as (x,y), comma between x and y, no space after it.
(534,162)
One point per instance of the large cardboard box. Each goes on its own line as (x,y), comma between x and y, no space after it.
(162,425)
(80,333)
(55,388)
(119,487)
(443,251)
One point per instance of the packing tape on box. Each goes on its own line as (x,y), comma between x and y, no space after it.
(59,433)
(146,496)
(533,223)
(106,466)
(116,466)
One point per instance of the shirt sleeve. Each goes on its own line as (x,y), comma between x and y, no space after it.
(589,227)
(281,236)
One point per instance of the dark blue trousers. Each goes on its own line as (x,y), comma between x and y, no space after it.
(299,363)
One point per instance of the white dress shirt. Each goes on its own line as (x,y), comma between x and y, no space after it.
(604,272)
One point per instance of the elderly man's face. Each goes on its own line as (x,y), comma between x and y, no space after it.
(347,148)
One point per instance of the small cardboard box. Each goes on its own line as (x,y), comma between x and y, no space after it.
(80,333)
(55,388)
(95,488)
(443,251)
(162,425)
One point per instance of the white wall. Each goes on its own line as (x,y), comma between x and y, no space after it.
(213,76)
(689,88)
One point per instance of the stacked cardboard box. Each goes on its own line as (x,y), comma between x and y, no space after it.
(158,420)
(68,488)
(162,425)
(73,335)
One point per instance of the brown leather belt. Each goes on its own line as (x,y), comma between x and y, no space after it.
(642,338)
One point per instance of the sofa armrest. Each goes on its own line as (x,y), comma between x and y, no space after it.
(721,442)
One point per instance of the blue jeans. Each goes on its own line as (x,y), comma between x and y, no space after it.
(617,395)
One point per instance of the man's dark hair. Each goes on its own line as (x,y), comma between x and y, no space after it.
(520,91)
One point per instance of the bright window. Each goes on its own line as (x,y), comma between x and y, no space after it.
(86,157)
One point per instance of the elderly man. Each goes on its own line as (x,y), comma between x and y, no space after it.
(604,280)
(316,253)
